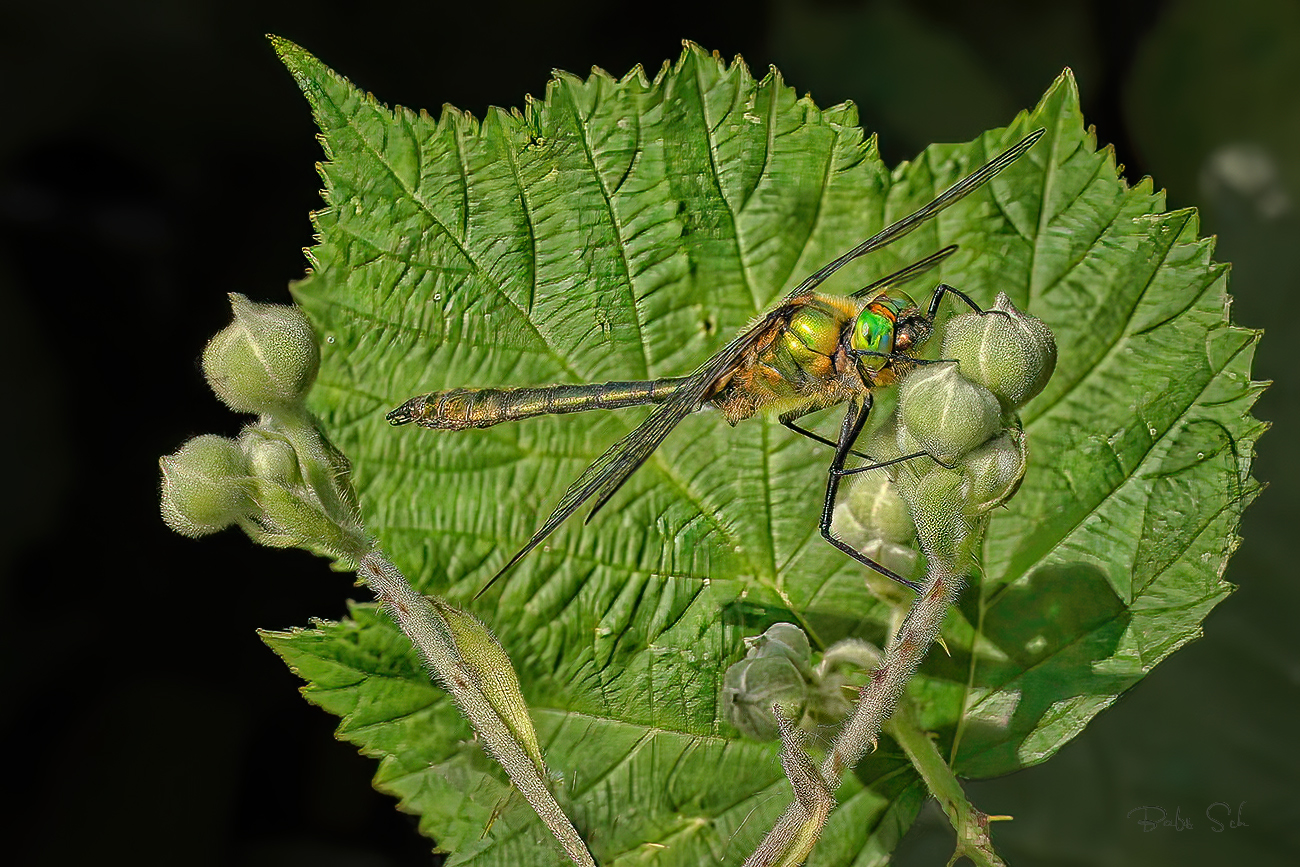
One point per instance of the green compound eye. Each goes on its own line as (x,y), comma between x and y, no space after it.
(873,331)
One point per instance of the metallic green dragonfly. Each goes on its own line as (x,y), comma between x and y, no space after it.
(812,352)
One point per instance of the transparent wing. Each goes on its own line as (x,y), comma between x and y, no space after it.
(911,272)
(894,231)
(609,471)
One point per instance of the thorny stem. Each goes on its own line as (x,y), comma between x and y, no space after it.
(793,835)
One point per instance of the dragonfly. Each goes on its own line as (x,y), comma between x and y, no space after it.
(812,352)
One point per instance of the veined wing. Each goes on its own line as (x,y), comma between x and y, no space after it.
(701,380)
(894,231)
(609,471)
(898,278)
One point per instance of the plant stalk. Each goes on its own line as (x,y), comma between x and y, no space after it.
(970,824)
(432,635)
(795,833)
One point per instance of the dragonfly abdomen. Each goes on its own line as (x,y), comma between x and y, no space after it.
(461,408)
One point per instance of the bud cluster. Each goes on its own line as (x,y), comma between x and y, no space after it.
(777,671)
(281,481)
(964,416)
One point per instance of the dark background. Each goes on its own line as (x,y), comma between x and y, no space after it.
(154,156)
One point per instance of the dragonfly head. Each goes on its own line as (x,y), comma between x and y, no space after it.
(889,324)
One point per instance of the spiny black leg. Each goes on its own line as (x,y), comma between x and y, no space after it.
(853,423)
(787,421)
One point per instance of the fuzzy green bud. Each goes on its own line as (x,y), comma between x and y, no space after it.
(271,457)
(752,686)
(292,517)
(850,652)
(947,413)
(995,470)
(939,501)
(874,504)
(782,639)
(1009,352)
(841,672)
(908,444)
(205,486)
(900,559)
(875,520)
(263,361)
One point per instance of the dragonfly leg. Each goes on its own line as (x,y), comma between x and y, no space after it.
(853,423)
(944,289)
(853,471)
(899,356)
(787,421)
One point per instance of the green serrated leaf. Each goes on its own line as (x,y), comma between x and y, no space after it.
(623,229)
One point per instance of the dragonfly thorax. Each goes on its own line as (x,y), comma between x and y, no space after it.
(815,327)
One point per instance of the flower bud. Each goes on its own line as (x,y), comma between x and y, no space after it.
(882,441)
(995,470)
(271,457)
(263,361)
(874,504)
(293,517)
(946,413)
(852,652)
(939,502)
(1010,353)
(843,669)
(205,486)
(899,559)
(908,444)
(752,686)
(782,639)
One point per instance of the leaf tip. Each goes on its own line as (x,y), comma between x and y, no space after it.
(304,66)
(1067,80)
(691,51)
(1061,99)
(636,74)
(291,54)
(280,44)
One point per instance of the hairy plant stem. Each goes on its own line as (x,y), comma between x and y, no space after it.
(795,833)
(430,632)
